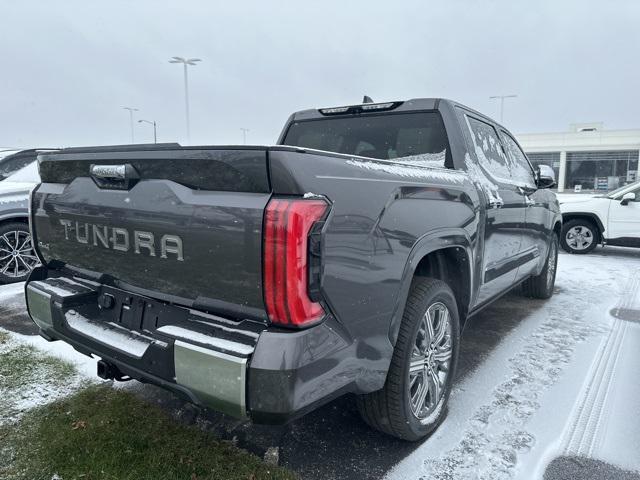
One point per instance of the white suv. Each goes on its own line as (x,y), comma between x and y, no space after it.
(612,219)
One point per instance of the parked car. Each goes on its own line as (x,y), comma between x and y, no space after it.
(266,281)
(17,257)
(611,219)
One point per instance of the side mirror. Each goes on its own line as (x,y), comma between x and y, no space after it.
(545,176)
(628,197)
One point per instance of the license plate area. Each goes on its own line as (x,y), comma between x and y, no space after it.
(137,313)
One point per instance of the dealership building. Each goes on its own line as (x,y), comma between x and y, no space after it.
(588,157)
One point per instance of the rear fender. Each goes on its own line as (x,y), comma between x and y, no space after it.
(429,243)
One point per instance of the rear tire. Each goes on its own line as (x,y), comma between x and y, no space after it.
(413,401)
(579,236)
(17,257)
(541,286)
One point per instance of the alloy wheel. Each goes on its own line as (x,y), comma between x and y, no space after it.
(17,257)
(430,361)
(579,237)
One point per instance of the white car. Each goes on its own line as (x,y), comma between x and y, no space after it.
(611,219)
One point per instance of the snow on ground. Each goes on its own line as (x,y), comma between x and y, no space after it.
(513,415)
(11,294)
(12,299)
(29,378)
(34,372)
(85,366)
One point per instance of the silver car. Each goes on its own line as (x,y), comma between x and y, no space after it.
(17,257)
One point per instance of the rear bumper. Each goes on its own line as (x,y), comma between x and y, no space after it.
(241,368)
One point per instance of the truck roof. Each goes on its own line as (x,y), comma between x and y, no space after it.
(413,104)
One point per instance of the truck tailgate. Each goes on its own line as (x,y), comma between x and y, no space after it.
(180,223)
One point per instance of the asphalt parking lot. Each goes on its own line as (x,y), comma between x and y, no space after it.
(544,388)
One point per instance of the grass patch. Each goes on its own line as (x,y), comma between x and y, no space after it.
(106,434)
(22,365)
(29,377)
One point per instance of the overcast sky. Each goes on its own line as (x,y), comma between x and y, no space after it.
(68,67)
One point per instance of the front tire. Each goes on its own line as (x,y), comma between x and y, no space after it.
(17,257)
(413,401)
(579,236)
(541,286)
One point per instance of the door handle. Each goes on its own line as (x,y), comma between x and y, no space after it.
(526,190)
(117,177)
(525,193)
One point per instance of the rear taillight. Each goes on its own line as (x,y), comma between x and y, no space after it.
(286,260)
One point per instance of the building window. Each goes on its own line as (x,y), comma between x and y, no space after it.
(605,170)
(546,158)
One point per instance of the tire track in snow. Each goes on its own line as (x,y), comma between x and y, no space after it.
(581,437)
(496,432)
(629,306)
(587,414)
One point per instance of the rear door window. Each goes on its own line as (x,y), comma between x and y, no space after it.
(521,170)
(488,149)
(418,138)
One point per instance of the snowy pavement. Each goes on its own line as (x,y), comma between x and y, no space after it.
(542,386)
(561,383)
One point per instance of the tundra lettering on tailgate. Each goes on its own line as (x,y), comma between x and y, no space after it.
(118,238)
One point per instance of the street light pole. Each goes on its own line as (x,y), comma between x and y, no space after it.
(502,97)
(185,62)
(186,100)
(150,122)
(131,110)
(244,135)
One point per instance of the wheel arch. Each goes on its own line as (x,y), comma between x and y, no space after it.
(445,255)
(566,217)
(14,218)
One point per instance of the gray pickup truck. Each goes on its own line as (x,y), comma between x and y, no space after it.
(266,281)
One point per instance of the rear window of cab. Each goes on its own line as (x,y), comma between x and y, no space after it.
(418,137)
